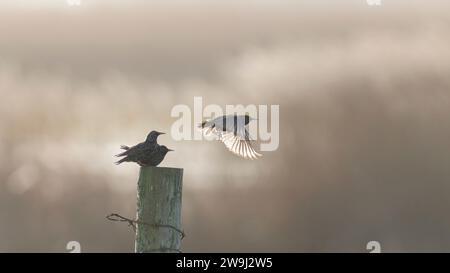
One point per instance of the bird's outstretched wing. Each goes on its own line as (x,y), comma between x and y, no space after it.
(233,134)
(239,144)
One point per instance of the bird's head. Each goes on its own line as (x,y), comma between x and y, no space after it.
(153,136)
(165,150)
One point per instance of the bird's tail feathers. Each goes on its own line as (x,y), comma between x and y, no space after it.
(120,161)
(121,154)
(123,147)
(208,128)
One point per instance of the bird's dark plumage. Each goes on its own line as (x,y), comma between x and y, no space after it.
(156,157)
(147,153)
(149,142)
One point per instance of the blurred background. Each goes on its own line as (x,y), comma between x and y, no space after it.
(364,95)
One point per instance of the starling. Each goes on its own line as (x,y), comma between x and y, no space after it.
(150,141)
(232,131)
(147,153)
(156,157)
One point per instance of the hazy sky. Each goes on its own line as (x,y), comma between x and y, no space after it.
(364,106)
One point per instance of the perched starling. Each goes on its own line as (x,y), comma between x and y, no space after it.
(147,153)
(156,157)
(150,141)
(232,131)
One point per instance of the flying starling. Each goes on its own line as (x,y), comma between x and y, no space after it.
(147,153)
(232,131)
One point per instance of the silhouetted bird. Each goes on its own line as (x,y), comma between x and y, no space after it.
(148,153)
(156,157)
(232,131)
(151,139)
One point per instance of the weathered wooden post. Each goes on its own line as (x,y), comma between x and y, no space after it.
(159,210)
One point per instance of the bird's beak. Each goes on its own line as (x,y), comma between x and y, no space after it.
(170,150)
(161,133)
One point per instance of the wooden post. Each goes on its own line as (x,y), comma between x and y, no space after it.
(159,210)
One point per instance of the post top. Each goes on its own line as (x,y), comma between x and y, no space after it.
(161,168)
